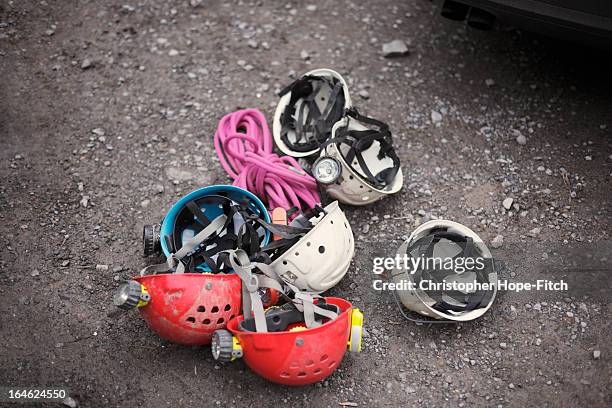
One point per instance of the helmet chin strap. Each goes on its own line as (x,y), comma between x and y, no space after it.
(174,260)
(251,302)
(311,127)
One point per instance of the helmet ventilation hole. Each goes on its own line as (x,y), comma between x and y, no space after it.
(220,320)
(351,177)
(324,357)
(297,254)
(232,316)
(201,309)
(321,249)
(308,244)
(331,221)
(191,319)
(215,309)
(309,363)
(301,374)
(284,262)
(331,363)
(317,370)
(227,308)
(206,321)
(284,374)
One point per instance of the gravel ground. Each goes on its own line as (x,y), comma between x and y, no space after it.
(107,112)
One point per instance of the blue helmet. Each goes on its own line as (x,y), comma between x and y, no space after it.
(194,212)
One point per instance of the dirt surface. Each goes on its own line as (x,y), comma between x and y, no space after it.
(107,112)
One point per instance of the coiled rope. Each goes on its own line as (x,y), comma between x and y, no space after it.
(244,146)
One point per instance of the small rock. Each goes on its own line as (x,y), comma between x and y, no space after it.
(304,55)
(489,82)
(498,241)
(70,402)
(158,188)
(503,346)
(35,272)
(87,63)
(596,354)
(507,203)
(311,7)
(98,131)
(101,267)
(84,201)
(253,44)
(174,173)
(436,117)
(535,232)
(173,53)
(364,94)
(395,48)
(521,139)
(145,203)
(49,32)
(538,342)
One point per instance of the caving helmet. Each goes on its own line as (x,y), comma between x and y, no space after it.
(445,273)
(196,211)
(358,165)
(318,259)
(300,344)
(307,111)
(184,308)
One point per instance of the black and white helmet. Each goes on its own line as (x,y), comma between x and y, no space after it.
(307,111)
(441,239)
(358,165)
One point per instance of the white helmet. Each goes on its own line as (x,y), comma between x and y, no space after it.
(358,164)
(307,111)
(322,256)
(441,239)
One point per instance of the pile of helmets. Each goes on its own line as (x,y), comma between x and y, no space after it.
(250,286)
(349,154)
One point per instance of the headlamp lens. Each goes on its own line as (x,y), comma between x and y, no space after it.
(122,294)
(326,170)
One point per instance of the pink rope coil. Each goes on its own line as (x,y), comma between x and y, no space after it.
(244,146)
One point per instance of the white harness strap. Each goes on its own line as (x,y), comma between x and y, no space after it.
(175,259)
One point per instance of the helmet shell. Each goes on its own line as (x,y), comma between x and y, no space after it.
(322,257)
(417,300)
(297,357)
(351,188)
(188,308)
(282,104)
(232,192)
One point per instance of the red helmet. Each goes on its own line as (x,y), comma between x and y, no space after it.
(188,308)
(290,353)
